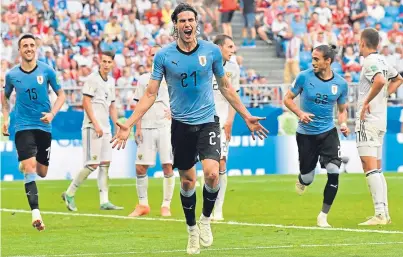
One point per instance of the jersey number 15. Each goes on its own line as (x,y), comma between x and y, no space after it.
(32,94)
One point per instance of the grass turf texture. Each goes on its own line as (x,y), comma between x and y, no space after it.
(252,200)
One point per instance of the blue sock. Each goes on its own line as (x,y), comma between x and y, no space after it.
(30,177)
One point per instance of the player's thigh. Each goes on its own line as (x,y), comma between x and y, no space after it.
(308,152)
(43,142)
(106,149)
(224,146)
(25,144)
(209,141)
(164,145)
(147,150)
(381,135)
(330,148)
(92,146)
(183,141)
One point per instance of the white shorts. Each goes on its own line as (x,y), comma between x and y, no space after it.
(155,140)
(369,141)
(224,145)
(96,149)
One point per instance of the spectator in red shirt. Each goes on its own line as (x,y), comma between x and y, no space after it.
(395,29)
(154,15)
(339,14)
(13,17)
(227,10)
(314,23)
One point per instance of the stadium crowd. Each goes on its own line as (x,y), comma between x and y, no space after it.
(70,34)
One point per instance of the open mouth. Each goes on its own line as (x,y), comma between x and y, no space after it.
(188,32)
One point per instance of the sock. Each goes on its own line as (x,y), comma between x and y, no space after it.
(375,185)
(209,198)
(330,192)
(169,185)
(103,183)
(188,199)
(80,177)
(31,190)
(142,188)
(221,194)
(385,193)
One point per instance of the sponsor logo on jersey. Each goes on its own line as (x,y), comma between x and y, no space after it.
(39,79)
(202,60)
(334,89)
(374,68)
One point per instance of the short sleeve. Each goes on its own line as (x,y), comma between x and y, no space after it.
(235,79)
(344,94)
(53,80)
(218,68)
(89,88)
(298,85)
(158,69)
(8,86)
(370,70)
(392,73)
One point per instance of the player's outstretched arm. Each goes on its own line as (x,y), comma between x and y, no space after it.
(290,104)
(233,98)
(395,83)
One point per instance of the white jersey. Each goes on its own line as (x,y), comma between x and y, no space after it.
(374,64)
(102,94)
(155,116)
(232,71)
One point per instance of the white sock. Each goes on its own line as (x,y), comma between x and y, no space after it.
(375,185)
(80,177)
(142,187)
(385,194)
(322,214)
(169,185)
(36,214)
(221,194)
(103,184)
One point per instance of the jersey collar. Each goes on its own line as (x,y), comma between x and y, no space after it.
(325,80)
(187,53)
(99,72)
(29,72)
(372,53)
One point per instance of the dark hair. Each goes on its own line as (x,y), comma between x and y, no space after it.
(220,39)
(371,37)
(25,36)
(182,7)
(109,53)
(328,51)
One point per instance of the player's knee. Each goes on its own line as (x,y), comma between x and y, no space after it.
(188,183)
(332,168)
(29,166)
(92,166)
(141,169)
(307,179)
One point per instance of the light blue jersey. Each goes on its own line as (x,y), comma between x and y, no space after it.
(31,95)
(319,98)
(189,78)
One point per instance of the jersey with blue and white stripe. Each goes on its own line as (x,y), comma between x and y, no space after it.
(189,78)
(319,97)
(32,98)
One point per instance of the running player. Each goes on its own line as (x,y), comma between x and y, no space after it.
(320,89)
(226,113)
(153,133)
(188,66)
(98,104)
(34,114)
(371,120)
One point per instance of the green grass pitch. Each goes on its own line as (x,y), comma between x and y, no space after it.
(263,217)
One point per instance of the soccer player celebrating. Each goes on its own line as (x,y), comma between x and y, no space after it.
(34,114)
(98,104)
(320,89)
(188,66)
(226,113)
(371,120)
(153,133)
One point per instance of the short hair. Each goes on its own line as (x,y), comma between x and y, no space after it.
(328,51)
(371,37)
(109,53)
(25,36)
(220,39)
(182,7)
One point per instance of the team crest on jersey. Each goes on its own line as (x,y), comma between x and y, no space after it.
(228,74)
(334,89)
(140,156)
(202,60)
(39,79)
(94,157)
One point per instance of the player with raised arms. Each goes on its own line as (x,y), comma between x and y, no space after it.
(371,119)
(320,89)
(188,65)
(33,116)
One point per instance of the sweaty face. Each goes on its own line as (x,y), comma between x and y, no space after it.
(319,63)
(27,49)
(186,26)
(228,49)
(106,64)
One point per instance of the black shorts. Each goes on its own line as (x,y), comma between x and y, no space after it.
(33,143)
(311,147)
(192,141)
(226,17)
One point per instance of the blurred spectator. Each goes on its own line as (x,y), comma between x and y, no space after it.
(340,14)
(91,7)
(291,68)
(113,30)
(249,12)
(93,28)
(390,57)
(227,10)
(382,34)
(47,13)
(6,50)
(13,17)
(350,60)
(49,58)
(73,29)
(279,29)
(154,15)
(324,13)
(376,11)
(313,23)
(358,11)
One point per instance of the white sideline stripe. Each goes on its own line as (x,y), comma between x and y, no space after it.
(234,223)
(213,249)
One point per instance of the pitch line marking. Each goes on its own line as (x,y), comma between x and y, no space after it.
(233,223)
